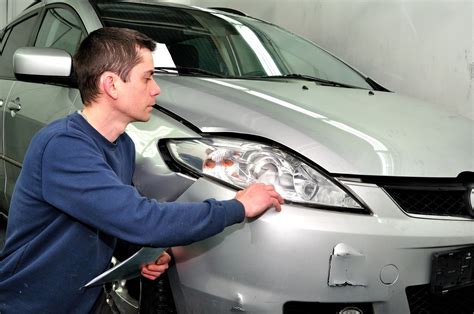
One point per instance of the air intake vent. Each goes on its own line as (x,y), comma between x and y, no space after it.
(421,301)
(451,200)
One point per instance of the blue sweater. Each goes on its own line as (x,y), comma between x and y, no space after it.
(71,202)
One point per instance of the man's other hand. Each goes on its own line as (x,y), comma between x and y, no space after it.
(154,270)
(258,197)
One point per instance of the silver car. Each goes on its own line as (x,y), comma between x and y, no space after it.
(378,187)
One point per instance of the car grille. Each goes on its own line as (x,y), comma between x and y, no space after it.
(422,301)
(433,200)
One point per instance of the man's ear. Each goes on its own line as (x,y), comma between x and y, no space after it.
(109,84)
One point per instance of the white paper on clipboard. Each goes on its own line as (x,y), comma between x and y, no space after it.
(129,268)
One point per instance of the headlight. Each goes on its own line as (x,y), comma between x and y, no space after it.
(240,163)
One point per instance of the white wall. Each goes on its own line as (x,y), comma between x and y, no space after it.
(421,48)
(9,9)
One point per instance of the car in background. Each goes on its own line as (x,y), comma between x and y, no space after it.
(378,187)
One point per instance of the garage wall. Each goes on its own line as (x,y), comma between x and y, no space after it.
(11,8)
(421,48)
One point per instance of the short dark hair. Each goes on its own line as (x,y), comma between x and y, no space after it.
(107,49)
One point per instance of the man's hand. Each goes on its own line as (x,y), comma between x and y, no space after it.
(154,270)
(257,198)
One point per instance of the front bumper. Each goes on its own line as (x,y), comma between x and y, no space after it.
(311,255)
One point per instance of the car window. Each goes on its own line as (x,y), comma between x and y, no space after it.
(194,38)
(188,41)
(301,56)
(60,29)
(18,36)
(3,38)
(229,45)
(198,52)
(246,59)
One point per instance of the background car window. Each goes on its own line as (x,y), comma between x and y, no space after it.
(18,37)
(60,29)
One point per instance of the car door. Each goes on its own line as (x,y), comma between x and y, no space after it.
(31,105)
(13,36)
(5,87)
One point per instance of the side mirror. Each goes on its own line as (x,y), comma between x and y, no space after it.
(43,65)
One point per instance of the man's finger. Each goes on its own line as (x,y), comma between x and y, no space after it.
(151,274)
(164,258)
(148,272)
(148,277)
(156,267)
(151,277)
(276,204)
(276,195)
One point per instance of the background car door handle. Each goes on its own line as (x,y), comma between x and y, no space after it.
(14,106)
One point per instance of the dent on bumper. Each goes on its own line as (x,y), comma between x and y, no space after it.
(313,255)
(347,267)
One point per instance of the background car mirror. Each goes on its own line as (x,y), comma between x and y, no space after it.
(43,65)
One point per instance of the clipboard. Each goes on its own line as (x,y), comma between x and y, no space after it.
(129,268)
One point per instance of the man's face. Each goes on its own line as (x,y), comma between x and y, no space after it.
(137,95)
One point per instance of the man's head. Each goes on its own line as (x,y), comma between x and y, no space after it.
(110,49)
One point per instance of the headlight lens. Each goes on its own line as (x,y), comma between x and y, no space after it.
(241,163)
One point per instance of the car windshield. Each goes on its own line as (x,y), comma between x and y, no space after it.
(211,42)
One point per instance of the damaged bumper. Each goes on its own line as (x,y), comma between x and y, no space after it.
(311,255)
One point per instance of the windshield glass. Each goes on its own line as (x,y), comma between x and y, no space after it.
(228,45)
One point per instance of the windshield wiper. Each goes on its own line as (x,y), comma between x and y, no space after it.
(302,77)
(375,85)
(187,71)
(193,71)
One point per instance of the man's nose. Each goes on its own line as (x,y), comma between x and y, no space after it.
(156,90)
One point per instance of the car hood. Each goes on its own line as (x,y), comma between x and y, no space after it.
(343,130)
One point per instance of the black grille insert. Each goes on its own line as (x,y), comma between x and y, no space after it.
(422,301)
(295,307)
(433,200)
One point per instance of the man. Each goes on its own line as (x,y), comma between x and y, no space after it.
(74,199)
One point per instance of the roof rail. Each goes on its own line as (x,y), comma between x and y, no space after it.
(229,10)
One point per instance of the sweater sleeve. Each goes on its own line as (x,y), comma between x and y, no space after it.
(77,180)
